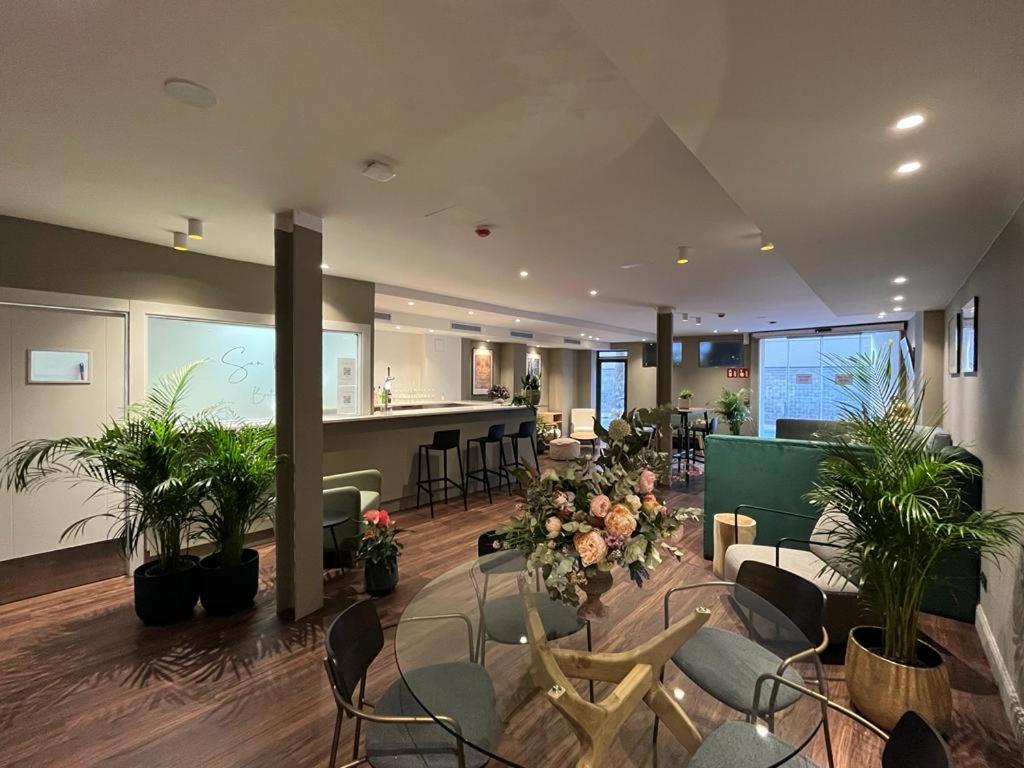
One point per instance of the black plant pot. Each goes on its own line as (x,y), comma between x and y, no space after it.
(381,579)
(229,589)
(165,597)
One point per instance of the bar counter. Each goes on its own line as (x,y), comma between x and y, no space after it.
(389,442)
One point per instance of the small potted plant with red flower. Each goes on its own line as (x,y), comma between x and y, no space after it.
(379,551)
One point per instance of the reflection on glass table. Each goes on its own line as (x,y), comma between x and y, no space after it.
(533,730)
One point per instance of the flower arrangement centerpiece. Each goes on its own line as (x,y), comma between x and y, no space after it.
(379,550)
(500,393)
(579,523)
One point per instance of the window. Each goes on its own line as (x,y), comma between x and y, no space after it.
(611,385)
(238,376)
(797,382)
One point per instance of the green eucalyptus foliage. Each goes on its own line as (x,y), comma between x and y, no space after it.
(903,501)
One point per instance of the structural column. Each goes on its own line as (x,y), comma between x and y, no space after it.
(298,298)
(663,377)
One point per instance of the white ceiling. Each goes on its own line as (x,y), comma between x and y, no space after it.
(589,140)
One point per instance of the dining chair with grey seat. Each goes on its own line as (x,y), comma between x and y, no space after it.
(913,743)
(727,665)
(399,731)
(502,619)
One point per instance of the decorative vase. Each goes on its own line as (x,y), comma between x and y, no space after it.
(381,578)
(598,582)
(882,690)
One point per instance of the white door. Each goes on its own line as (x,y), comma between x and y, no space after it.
(31,523)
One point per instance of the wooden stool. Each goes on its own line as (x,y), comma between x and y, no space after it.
(727,534)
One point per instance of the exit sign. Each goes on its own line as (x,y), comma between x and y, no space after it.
(737,373)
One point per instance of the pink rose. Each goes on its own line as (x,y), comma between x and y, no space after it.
(372,516)
(620,522)
(647,479)
(600,505)
(590,546)
(553,526)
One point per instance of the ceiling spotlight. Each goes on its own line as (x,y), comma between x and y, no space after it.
(430,330)
(324,266)
(187,92)
(643,339)
(766,244)
(518,320)
(698,321)
(683,254)
(715,331)
(583,334)
(598,338)
(411,303)
(195,229)
(897,309)
(907,122)
(398,327)
(898,298)
(378,171)
(735,330)
(593,291)
(590,337)
(523,273)
(909,167)
(881,314)
(899,280)
(180,241)
(472,312)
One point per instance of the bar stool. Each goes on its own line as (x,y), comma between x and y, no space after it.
(495,433)
(527,430)
(444,440)
(709,428)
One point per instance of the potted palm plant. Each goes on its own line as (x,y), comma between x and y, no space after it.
(237,466)
(379,549)
(144,458)
(734,407)
(901,511)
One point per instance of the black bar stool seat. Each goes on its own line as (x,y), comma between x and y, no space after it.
(527,431)
(495,435)
(444,440)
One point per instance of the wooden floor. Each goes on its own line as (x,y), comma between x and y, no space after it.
(83,683)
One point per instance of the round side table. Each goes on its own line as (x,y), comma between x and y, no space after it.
(727,534)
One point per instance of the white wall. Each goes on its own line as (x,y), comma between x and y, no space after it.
(986,413)
(419,362)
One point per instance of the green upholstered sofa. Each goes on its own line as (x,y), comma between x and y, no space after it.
(345,498)
(777,473)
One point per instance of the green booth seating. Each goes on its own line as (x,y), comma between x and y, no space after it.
(777,473)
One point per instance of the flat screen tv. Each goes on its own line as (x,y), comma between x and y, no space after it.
(721,354)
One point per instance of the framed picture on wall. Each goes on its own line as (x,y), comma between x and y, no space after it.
(483,370)
(969,338)
(953,345)
(533,364)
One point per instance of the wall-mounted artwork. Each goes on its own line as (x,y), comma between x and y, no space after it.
(953,345)
(969,338)
(483,370)
(57,366)
(533,363)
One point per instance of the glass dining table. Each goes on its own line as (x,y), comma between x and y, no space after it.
(442,624)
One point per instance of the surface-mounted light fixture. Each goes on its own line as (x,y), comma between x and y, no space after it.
(766,244)
(899,280)
(180,241)
(908,122)
(897,309)
(909,167)
(898,297)
(379,171)
(195,229)
(411,303)
(683,254)
(593,291)
(523,273)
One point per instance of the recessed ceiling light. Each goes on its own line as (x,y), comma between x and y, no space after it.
(881,314)
(735,330)
(430,330)
(909,167)
(593,291)
(590,337)
(411,303)
(683,254)
(715,331)
(187,92)
(900,280)
(324,266)
(598,338)
(180,241)
(898,297)
(897,309)
(907,122)
(195,229)
(472,312)
(488,341)
(766,244)
(523,273)
(398,327)
(643,339)
(583,334)
(518,320)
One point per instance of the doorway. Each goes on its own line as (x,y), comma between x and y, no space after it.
(612,375)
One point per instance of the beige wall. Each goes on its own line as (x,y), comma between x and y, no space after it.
(46,257)
(986,413)
(926,332)
(468,345)
(706,383)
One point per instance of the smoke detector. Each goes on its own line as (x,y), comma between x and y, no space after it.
(379,171)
